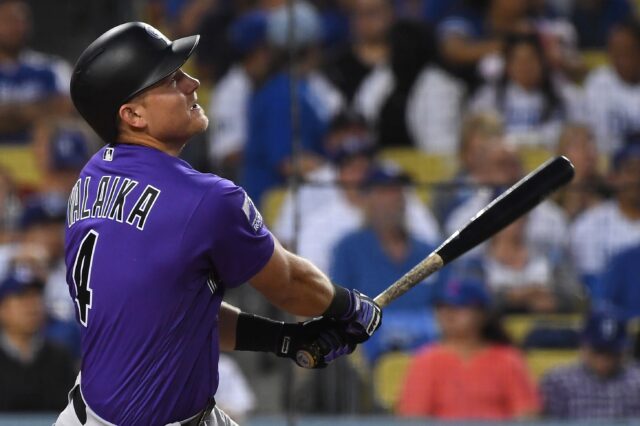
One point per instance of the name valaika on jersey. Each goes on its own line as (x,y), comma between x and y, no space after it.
(110,201)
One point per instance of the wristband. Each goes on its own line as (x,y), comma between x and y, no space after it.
(257,334)
(340,304)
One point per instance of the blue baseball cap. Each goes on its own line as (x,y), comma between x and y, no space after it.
(353,146)
(386,174)
(17,281)
(628,151)
(248,31)
(43,209)
(605,330)
(69,149)
(463,292)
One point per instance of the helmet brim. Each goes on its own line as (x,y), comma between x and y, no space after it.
(176,55)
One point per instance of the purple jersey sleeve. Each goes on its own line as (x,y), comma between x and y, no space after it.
(241,245)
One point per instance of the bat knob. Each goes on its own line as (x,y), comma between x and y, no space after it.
(310,357)
(305,360)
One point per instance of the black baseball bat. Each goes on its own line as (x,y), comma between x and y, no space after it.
(501,212)
(497,215)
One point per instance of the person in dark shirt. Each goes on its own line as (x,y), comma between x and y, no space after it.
(603,384)
(371,21)
(35,375)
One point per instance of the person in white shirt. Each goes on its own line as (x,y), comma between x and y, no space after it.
(532,100)
(235,395)
(613,91)
(331,202)
(524,279)
(608,228)
(477,131)
(230,97)
(547,226)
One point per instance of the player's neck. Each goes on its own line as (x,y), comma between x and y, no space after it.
(173,148)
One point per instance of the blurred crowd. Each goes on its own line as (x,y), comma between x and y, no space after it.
(396,120)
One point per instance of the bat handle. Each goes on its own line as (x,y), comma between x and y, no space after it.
(416,275)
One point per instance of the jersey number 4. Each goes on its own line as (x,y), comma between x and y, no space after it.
(82,275)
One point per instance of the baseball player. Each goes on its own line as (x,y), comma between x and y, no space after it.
(152,245)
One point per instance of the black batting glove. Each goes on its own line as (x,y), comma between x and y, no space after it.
(314,343)
(360,315)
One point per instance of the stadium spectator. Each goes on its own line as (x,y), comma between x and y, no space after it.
(606,229)
(269,141)
(473,373)
(230,97)
(34,85)
(370,22)
(521,278)
(329,212)
(36,374)
(62,148)
(235,395)
(431,11)
(602,385)
(559,38)
(381,252)
(336,31)
(10,211)
(478,130)
(471,39)
(42,226)
(527,94)
(547,226)
(594,19)
(613,91)
(386,97)
(588,186)
(10,207)
(619,283)
(434,110)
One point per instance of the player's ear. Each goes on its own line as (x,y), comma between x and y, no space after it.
(133,115)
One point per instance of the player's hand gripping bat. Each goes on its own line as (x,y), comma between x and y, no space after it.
(501,212)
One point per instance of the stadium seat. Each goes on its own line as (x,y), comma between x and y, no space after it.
(520,326)
(594,58)
(423,168)
(540,361)
(533,156)
(20,162)
(271,204)
(388,377)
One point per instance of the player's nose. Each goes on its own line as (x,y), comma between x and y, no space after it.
(191,83)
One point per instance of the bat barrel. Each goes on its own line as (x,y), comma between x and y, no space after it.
(515,202)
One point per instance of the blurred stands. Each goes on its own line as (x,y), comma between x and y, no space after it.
(410,81)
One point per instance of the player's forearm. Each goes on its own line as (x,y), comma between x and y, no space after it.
(309,292)
(293,284)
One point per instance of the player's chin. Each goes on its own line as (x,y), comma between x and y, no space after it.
(199,123)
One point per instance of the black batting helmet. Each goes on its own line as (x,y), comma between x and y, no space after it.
(120,64)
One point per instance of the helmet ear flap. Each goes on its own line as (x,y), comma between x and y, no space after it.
(120,64)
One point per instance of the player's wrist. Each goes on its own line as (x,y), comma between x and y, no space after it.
(341,306)
(258,334)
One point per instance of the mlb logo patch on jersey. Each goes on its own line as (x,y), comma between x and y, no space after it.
(253,215)
(108,154)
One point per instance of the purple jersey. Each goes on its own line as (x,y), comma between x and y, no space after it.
(151,246)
